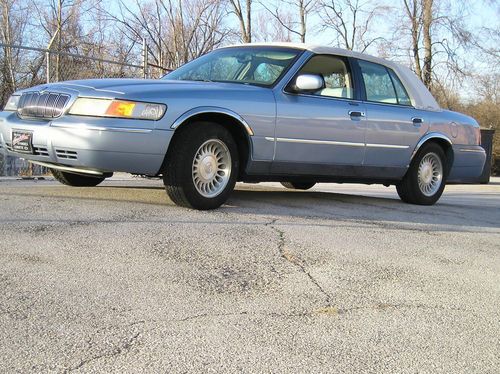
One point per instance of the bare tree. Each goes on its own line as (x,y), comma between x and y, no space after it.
(177,31)
(13,25)
(268,29)
(352,21)
(439,40)
(414,14)
(62,21)
(6,30)
(427,23)
(244,16)
(304,8)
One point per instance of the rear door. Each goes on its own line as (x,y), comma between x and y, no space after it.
(393,126)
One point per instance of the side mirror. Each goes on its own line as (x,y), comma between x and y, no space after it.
(309,82)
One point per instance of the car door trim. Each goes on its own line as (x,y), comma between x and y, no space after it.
(313,141)
(393,146)
(333,142)
(473,150)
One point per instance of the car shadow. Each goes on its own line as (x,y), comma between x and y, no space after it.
(384,211)
(277,203)
(271,204)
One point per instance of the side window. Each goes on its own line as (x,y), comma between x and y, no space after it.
(403,98)
(337,77)
(378,83)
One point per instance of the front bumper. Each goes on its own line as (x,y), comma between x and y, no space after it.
(101,144)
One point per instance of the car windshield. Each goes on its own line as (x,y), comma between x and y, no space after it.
(248,65)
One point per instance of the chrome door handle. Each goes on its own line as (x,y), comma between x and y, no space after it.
(417,121)
(355,113)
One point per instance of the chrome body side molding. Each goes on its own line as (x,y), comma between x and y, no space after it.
(209,109)
(333,142)
(82,126)
(392,146)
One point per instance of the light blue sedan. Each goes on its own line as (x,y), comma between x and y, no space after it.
(295,114)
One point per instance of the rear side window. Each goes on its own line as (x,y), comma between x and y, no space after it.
(403,98)
(382,85)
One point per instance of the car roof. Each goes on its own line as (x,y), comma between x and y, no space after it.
(420,96)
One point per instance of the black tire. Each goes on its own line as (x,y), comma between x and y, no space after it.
(75,180)
(408,189)
(298,185)
(178,169)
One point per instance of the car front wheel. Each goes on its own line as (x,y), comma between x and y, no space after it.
(202,166)
(425,180)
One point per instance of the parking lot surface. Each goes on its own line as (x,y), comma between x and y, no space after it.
(341,278)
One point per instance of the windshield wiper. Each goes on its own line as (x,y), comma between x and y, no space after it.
(199,80)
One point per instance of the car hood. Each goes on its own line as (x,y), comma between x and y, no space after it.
(121,87)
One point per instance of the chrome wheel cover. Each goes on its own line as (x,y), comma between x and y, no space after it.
(211,168)
(430,174)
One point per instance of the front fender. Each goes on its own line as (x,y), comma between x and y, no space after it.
(209,110)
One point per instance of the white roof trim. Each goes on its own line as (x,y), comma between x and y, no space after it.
(420,96)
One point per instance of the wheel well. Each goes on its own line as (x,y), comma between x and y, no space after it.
(447,148)
(231,124)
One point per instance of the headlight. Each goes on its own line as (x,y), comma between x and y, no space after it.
(117,108)
(12,103)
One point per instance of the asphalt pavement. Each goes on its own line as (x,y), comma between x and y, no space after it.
(338,279)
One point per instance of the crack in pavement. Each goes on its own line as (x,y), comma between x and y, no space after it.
(327,311)
(389,306)
(116,351)
(295,260)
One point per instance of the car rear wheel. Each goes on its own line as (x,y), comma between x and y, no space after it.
(202,166)
(298,185)
(425,180)
(76,180)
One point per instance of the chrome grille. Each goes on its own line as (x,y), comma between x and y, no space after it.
(42,104)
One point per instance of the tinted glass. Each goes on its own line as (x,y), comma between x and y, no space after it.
(247,65)
(403,98)
(378,83)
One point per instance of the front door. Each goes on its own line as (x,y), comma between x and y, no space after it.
(321,129)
